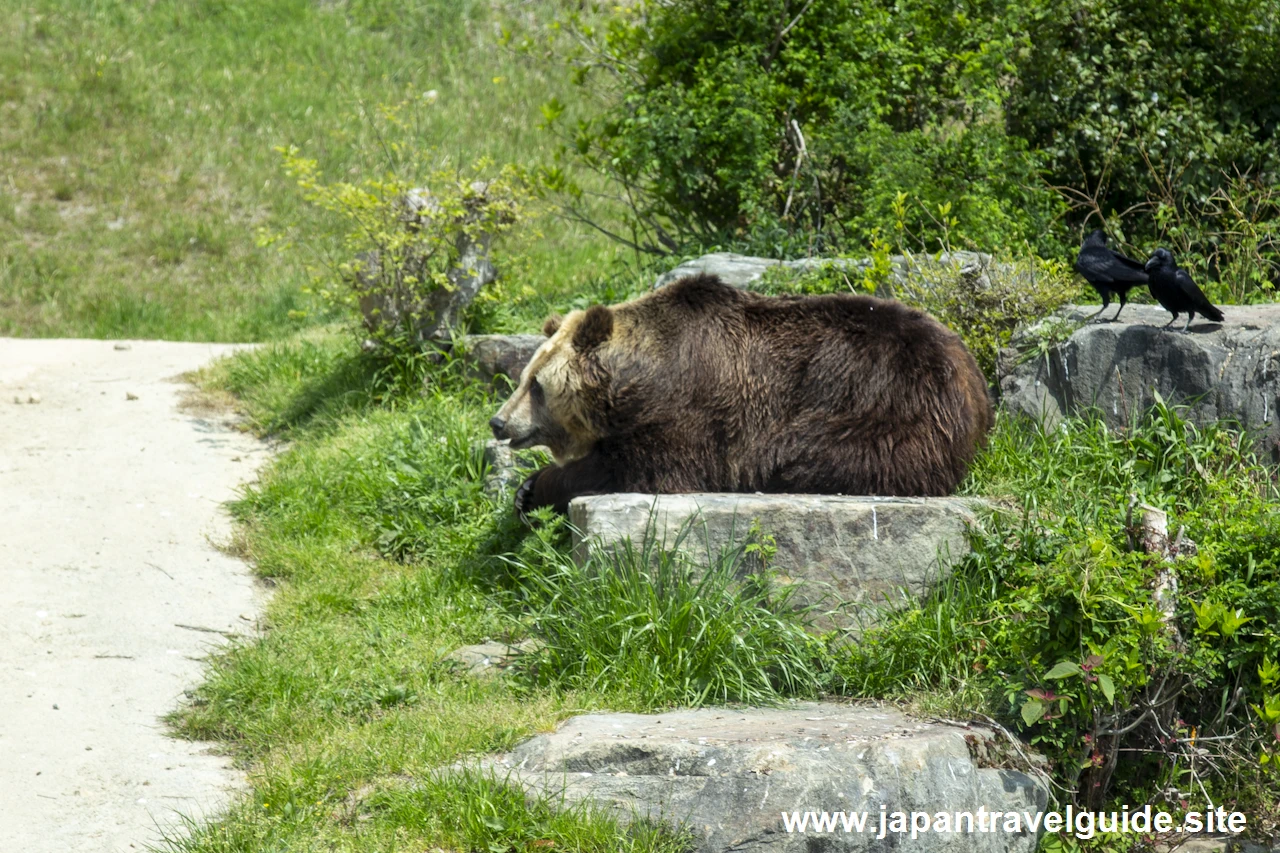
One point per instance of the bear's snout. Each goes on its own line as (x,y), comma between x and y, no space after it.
(498,425)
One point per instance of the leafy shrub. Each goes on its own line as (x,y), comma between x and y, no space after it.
(411,236)
(1133,102)
(794,128)
(1229,239)
(1051,621)
(791,127)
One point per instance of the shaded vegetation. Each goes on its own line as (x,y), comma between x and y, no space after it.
(795,128)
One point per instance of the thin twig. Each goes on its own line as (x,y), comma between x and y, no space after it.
(794,21)
(1017,745)
(777,41)
(158,569)
(572,213)
(202,629)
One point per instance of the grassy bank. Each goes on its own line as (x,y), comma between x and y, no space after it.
(137,161)
(385,554)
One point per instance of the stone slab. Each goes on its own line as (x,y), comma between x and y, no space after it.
(728,775)
(1228,370)
(858,550)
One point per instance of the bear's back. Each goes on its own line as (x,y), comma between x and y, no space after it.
(702,308)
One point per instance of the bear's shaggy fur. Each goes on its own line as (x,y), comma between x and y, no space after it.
(703,387)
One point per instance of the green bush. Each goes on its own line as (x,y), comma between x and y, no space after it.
(793,128)
(414,229)
(1052,622)
(790,128)
(1137,104)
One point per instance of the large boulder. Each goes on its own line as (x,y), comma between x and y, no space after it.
(842,550)
(736,778)
(1228,370)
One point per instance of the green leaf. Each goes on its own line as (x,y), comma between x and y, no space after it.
(1232,621)
(1032,711)
(1108,687)
(1063,669)
(552,110)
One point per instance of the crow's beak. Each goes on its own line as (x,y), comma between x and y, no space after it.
(1149,265)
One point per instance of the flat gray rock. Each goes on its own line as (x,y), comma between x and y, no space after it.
(858,550)
(1228,370)
(486,659)
(1220,844)
(730,775)
(746,271)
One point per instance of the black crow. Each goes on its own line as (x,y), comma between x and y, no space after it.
(1109,272)
(1175,290)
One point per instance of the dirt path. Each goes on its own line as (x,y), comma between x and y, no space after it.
(110,593)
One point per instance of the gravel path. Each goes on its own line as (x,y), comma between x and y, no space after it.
(110,593)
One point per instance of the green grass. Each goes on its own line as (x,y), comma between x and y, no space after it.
(648,622)
(137,162)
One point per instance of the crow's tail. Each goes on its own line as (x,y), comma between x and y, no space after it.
(1211,312)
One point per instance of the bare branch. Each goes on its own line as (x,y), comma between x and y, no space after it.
(794,21)
(772,54)
(795,176)
(576,216)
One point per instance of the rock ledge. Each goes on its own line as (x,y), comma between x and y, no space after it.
(1228,370)
(855,550)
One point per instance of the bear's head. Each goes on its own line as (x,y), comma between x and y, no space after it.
(555,403)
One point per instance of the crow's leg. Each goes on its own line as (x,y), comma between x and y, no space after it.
(1106,303)
(1172,320)
(1191,315)
(1123,302)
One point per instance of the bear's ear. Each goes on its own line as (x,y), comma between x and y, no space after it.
(594,329)
(552,325)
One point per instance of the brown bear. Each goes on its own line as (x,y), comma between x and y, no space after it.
(701,387)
